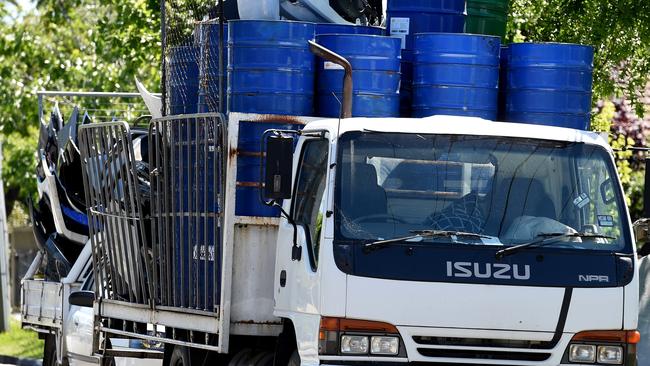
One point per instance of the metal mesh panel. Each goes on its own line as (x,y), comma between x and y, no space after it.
(194,73)
(187,169)
(121,255)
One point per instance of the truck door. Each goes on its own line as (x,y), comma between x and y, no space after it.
(298,286)
(78,329)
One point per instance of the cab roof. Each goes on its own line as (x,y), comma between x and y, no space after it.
(455,125)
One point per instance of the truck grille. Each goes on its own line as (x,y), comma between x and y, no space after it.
(482,342)
(484,355)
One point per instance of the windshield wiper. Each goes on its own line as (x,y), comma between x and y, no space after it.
(422,234)
(548,238)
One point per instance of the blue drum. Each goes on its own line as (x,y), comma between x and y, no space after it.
(375,64)
(550,84)
(248,167)
(406,18)
(270,67)
(456,74)
(183,79)
(207,35)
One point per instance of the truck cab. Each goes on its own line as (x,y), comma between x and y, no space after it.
(454,240)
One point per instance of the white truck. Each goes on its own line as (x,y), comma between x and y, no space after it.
(62,270)
(66,324)
(443,240)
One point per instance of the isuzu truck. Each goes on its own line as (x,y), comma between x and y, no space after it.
(442,240)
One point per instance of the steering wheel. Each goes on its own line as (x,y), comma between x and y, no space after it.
(378,216)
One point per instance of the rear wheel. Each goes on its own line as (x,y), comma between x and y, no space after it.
(49,351)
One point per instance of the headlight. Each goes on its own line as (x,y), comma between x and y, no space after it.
(353,337)
(582,353)
(380,345)
(610,355)
(353,344)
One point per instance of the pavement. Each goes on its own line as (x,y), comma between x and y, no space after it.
(13,361)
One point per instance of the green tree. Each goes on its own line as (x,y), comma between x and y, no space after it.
(87,45)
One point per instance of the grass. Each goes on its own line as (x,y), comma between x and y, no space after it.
(20,343)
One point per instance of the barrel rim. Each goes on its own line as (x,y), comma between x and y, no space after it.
(417,35)
(357,36)
(211,21)
(272,21)
(350,25)
(528,44)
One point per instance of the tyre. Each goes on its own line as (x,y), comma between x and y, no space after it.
(49,351)
(180,357)
(294,360)
(249,357)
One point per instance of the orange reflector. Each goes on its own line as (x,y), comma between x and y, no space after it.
(633,336)
(339,324)
(617,336)
(331,324)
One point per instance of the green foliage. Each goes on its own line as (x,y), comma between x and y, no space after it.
(85,45)
(620,125)
(20,343)
(619,30)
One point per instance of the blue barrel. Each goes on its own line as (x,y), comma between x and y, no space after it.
(247,202)
(183,79)
(409,17)
(333,28)
(207,38)
(550,84)
(375,64)
(456,74)
(270,67)
(503,76)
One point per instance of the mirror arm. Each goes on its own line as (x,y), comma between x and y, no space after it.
(296,251)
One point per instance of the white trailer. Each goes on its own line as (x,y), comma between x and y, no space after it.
(443,240)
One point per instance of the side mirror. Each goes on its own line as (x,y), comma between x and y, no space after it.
(82,298)
(641,230)
(279,167)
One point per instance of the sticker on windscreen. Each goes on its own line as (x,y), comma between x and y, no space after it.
(605,220)
(581,201)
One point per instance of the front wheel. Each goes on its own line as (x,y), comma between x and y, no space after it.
(294,360)
(180,357)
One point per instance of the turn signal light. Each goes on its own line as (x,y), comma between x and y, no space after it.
(615,336)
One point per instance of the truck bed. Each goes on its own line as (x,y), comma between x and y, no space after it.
(41,305)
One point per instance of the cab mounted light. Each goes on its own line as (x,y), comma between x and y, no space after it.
(352,337)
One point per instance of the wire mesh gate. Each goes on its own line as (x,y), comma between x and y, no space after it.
(187,185)
(157,239)
(156,227)
(121,254)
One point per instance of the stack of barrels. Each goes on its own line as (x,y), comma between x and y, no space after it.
(435,57)
(446,71)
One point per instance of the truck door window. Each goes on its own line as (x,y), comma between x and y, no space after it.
(309,192)
(596,199)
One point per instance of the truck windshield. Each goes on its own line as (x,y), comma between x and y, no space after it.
(509,190)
